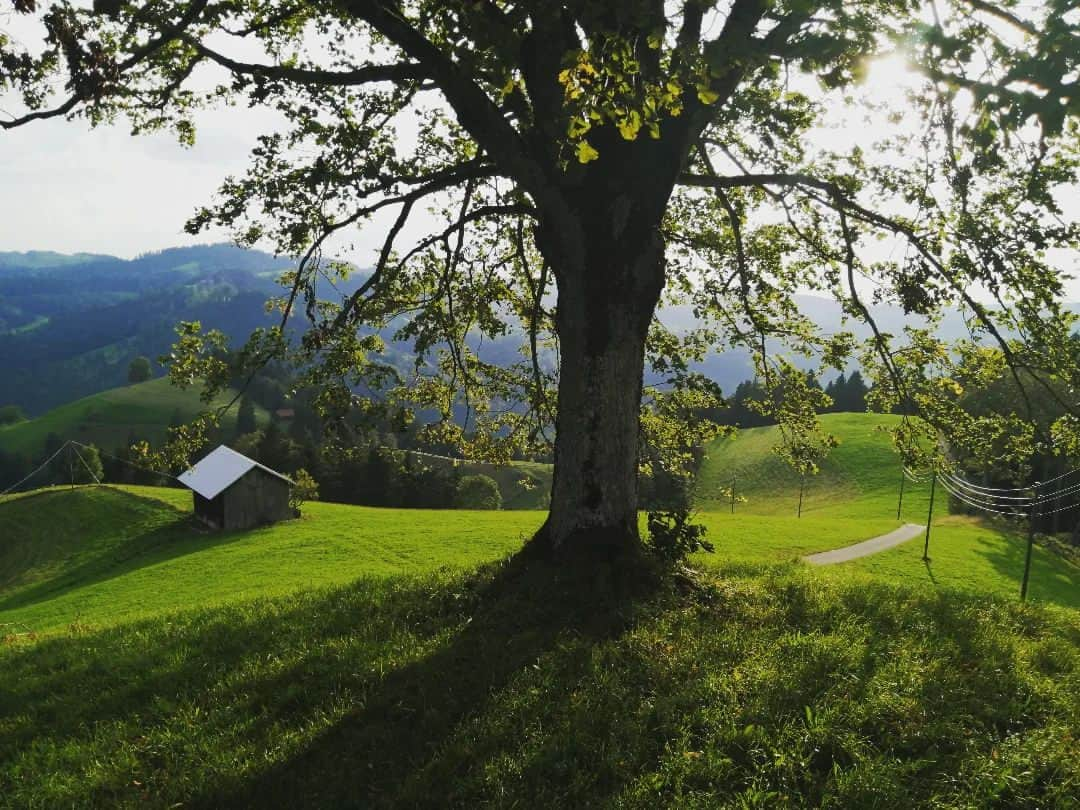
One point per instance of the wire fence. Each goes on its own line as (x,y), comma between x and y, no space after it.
(73,446)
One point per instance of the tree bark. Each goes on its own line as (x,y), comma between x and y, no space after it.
(610,273)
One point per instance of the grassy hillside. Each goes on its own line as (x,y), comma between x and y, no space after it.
(109,418)
(860,478)
(103,556)
(855,497)
(106,555)
(358,657)
(496,689)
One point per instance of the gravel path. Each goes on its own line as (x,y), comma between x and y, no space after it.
(867,547)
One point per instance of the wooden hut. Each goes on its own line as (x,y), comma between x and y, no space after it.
(233,491)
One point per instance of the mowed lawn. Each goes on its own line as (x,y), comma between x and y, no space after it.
(102,556)
(967,554)
(854,497)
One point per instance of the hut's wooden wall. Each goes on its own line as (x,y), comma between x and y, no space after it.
(256,499)
(210,512)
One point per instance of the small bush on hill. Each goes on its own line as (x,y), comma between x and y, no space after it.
(305,489)
(11,414)
(673,538)
(478,492)
(140,370)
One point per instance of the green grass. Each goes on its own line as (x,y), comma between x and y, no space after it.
(744,537)
(860,478)
(109,418)
(854,498)
(359,657)
(967,554)
(102,556)
(502,689)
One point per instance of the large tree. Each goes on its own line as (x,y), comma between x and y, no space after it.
(591,157)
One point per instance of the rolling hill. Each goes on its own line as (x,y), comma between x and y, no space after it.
(859,478)
(855,496)
(110,419)
(69,325)
(360,657)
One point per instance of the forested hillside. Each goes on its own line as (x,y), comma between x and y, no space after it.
(70,325)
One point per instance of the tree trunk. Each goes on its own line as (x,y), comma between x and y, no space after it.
(609,284)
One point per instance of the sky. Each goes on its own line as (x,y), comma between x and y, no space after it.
(68,188)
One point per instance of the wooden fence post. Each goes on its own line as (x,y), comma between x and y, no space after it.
(930,516)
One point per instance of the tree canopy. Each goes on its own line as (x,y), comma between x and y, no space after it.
(140,370)
(591,161)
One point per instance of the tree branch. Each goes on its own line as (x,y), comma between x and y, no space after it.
(1003,14)
(476,112)
(308,76)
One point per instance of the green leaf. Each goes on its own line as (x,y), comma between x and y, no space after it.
(706,94)
(586,153)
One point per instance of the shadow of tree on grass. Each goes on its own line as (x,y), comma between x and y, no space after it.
(512,686)
(141,532)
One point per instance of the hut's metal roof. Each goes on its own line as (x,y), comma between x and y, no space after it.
(220,470)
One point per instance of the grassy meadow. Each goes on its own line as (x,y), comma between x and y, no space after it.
(102,556)
(110,418)
(496,688)
(856,495)
(362,657)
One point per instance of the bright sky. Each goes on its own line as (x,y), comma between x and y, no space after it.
(68,188)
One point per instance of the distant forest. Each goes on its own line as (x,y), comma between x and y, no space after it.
(70,325)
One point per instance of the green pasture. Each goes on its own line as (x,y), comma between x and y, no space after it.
(109,419)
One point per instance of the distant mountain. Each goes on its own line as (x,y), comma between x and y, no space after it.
(70,325)
(47,258)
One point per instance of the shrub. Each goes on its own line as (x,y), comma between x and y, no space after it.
(305,488)
(478,492)
(11,414)
(673,538)
(140,370)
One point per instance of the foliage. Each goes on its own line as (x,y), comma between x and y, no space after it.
(245,417)
(272,448)
(673,431)
(847,394)
(478,492)
(11,415)
(673,538)
(140,370)
(72,464)
(304,489)
(88,468)
(616,152)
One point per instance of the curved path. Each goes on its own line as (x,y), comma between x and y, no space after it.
(867,547)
